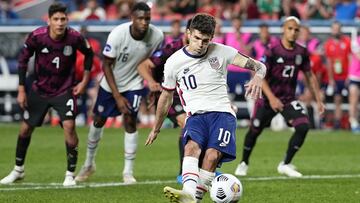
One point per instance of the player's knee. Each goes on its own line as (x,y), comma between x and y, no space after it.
(212,156)
(302,129)
(192,149)
(99,122)
(25,130)
(129,124)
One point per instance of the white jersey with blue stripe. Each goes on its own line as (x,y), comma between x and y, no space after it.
(201,80)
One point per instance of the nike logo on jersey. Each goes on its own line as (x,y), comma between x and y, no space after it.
(280,60)
(223,144)
(45,50)
(186,70)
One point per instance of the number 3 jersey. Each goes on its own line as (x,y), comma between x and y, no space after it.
(128,53)
(54,69)
(283,66)
(200,80)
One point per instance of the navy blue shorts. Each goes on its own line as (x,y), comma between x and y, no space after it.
(340,86)
(105,105)
(213,130)
(355,83)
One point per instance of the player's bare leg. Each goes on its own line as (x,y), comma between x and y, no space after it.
(207,172)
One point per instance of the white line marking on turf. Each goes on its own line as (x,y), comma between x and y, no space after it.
(47,186)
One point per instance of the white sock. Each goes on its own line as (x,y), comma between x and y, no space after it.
(19,168)
(190,174)
(94,137)
(130,146)
(69,173)
(205,178)
(353,123)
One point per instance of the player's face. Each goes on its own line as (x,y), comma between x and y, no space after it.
(264,33)
(291,31)
(57,23)
(198,42)
(141,21)
(336,29)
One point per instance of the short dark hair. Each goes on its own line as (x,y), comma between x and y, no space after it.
(140,6)
(263,25)
(188,23)
(57,7)
(204,23)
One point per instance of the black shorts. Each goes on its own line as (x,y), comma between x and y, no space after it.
(38,106)
(175,109)
(293,113)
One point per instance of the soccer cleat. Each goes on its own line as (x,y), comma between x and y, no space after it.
(129,178)
(85,173)
(241,169)
(178,196)
(289,170)
(12,177)
(69,179)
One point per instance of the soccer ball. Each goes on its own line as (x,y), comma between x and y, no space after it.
(226,188)
(278,123)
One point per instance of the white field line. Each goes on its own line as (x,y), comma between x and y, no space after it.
(47,186)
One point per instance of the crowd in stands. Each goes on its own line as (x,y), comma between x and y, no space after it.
(223,9)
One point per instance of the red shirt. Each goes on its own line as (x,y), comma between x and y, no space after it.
(337,51)
(318,68)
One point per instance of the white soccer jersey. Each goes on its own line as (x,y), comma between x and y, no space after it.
(201,80)
(128,53)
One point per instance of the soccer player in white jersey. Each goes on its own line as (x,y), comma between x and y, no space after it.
(122,88)
(198,72)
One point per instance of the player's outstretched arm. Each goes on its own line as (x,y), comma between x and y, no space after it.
(315,90)
(144,70)
(253,88)
(164,103)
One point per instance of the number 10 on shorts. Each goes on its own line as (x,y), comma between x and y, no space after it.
(224,137)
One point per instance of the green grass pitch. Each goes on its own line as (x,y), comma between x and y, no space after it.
(330,162)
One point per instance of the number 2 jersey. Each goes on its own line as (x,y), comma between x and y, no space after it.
(54,69)
(283,66)
(128,54)
(200,80)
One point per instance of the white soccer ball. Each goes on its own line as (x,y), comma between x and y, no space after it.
(278,123)
(226,188)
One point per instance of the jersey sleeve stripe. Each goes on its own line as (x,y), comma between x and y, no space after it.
(167,88)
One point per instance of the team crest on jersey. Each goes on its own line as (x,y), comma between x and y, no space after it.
(214,63)
(107,48)
(298,59)
(68,50)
